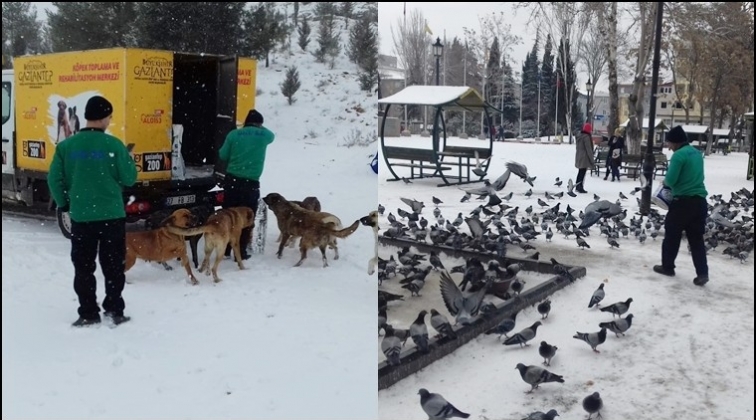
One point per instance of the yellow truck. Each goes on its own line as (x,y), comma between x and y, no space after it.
(173,110)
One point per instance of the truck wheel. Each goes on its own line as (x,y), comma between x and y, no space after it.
(64,223)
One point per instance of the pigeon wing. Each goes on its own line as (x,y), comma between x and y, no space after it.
(501,181)
(407,201)
(435,406)
(476,191)
(475,301)
(453,298)
(476,228)
(518,169)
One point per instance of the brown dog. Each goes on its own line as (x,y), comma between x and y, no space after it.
(309,203)
(221,229)
(312,204)
(162,244)
(315,229)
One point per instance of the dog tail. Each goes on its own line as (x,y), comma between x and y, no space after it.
(186,231)
(343,233)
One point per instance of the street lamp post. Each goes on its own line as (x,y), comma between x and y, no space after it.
(588,89)
(438,51)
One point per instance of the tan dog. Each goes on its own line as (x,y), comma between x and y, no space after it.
(222,228)
(372,221)
(315,229)
(312,204)
(162,244)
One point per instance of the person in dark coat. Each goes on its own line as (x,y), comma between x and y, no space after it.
(614,157)
(583,156)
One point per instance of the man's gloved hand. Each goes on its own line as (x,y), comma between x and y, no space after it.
(64,209)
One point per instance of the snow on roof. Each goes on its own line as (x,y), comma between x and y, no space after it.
(695,129)
(721,132)
(462,96)
(659,123)
(749,114)
(391,74)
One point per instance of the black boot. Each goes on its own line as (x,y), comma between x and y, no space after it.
(85,322)
(244,239)
(118,318)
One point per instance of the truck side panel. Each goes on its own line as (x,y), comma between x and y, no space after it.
(52,91)
(246,88)
(149,96)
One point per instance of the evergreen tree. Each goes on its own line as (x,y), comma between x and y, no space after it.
(291,84)
(362,37)
(530,76)
(563,83)
(347,11)
(91,25)
(22,32)
(510,106)
(295,15)
(265,27)
(368,55)
(548,88)
(493,74)
(328,38)
(304,34)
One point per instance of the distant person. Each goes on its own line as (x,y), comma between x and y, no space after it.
(583,156)
(87,175)
(614,156)
(244,150)
(688,210)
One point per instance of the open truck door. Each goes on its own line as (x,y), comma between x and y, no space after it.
(225,120)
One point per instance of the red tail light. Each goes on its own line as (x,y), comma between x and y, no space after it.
(138,207)
(219,198)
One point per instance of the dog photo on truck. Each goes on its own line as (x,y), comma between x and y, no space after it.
(241,173)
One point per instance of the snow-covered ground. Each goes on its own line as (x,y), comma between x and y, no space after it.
(686,355)
(272,341)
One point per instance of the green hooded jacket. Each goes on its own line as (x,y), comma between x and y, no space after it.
(88,173)
(685,173)
(244,150)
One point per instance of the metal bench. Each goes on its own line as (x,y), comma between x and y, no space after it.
(421,159)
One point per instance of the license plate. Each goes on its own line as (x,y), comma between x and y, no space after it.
(182,199)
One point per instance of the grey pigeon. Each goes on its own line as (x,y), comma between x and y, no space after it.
(562,271)
(618,308)
(593,339)
(597,297)
(618,326)
(463,308)
(501,182)
(521,171)
(540,415)
(437,408)
(419,332)
(391,346)
(504,327)
(547,351)
(535,376)
(544,308)
(523,336)
(415,205)
(435,261)
(381,319)
(593,405)
(571,188)
(441,324)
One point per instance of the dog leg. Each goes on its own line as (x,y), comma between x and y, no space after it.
(325,259)
(205,268)
(335,249)
(303,251)
(284,239)
(218,257)
(237,253)
(193,242)
(166,266)
(185,262)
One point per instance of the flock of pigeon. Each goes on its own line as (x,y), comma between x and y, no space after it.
(494,227)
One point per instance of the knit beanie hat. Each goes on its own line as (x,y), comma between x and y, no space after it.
(253,117)
(97,108)
(676,135)
(587,128)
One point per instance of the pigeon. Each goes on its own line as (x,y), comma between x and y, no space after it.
(435,261)
(437,408)
(618,326)
(535,376)
(523,336)
(406,181)
(501,182)
(544,308)
(476,227)
(562,271)
(618,308)
(612,242)
(582,244)
(547,351)
(593,405)
(597,297)
(463,308)
(419,332)
(558,182)
(508,196)
(521,171)
(381,209)
(593,339)
(465,198)
(391,346)
(571,188)
(622,196)
(504,327)
(540,415)
(415,205)
(441,324)
(437,201)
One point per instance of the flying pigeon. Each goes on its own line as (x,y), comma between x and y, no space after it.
(593,339)
(618,308)
(571,188)
(547,351)
(523,336)
(501,182)
(521,171)
(535,376)
(437,408)
(618,326)
(593,405)
(415,205)
(464,309)
(597,297)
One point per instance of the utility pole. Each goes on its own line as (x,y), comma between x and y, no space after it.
(538,117)
(556,109)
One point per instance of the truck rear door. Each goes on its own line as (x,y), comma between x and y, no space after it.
(8,124)
(226,116)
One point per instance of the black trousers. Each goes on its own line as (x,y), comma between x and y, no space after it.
(580,179)
(614,166)
(686,214)
(108,238)
(240,192)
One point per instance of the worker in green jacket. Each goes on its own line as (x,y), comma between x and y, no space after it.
(87,175)
(244,153)
(688,210)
